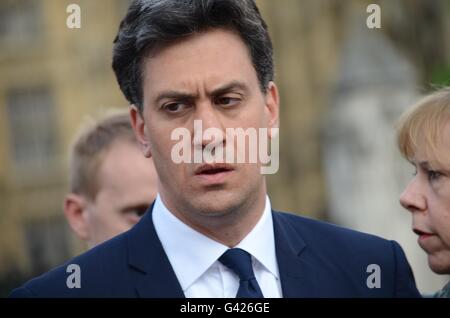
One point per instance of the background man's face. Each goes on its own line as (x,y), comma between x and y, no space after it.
(127,187)
(207,77)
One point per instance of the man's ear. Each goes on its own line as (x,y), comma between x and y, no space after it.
(75,210)
(272,100)
(140,130)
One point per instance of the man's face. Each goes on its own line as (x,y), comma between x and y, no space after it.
(207,77)
(127,187)
(427,197)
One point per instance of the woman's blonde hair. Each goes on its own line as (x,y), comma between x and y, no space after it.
(423,126)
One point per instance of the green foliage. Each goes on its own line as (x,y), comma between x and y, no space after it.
(441,76)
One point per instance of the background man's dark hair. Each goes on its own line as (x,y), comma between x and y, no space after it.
(153,23)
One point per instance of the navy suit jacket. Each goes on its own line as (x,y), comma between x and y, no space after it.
(315,259)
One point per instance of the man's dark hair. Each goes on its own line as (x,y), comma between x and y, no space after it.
(150,24)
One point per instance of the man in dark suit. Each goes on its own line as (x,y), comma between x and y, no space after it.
(211,231)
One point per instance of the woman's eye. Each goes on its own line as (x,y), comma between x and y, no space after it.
(433,175)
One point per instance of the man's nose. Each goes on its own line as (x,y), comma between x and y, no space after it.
(212,130)
(413,198)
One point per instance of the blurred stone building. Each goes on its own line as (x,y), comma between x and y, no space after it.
(51,77)
(343,86)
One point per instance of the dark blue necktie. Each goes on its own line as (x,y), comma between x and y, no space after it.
(240,262)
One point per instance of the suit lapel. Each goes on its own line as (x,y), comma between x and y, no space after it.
(146,255)
(157,279)
(296,273)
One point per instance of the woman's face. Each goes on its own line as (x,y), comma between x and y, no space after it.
(427,197)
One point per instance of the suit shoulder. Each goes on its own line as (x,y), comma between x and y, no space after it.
(332,234)
(349,256)
(22,292)
(94,266)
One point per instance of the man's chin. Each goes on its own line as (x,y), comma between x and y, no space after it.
(216,204)
(217,209)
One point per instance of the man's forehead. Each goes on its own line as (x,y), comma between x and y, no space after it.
(115,163)
(217,56)
(196,42)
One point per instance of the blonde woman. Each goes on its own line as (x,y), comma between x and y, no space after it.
(423,136)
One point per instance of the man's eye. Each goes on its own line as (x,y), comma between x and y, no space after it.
(139,211)
(175,107)
(136,212)
(227,101)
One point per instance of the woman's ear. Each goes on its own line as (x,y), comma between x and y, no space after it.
(140,130)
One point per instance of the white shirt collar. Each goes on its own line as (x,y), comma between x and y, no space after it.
(191,253)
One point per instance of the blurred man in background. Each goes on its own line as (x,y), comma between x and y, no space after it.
(111,183)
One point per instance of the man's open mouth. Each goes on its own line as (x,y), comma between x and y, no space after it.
(210,169)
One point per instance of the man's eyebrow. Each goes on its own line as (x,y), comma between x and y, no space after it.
(234,85)
(131,207)
(171,94)
(179,95)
